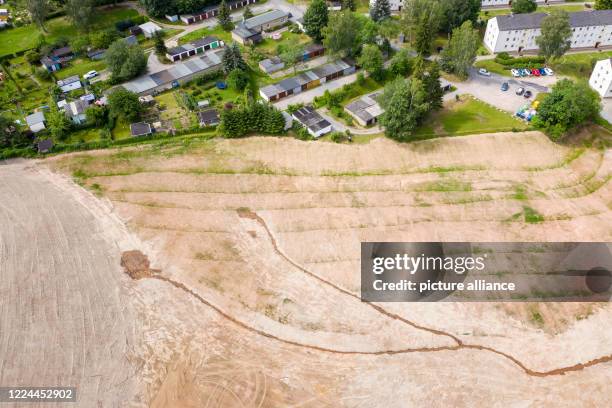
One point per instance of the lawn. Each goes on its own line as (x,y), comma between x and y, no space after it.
(27,37)
(487,14)
(466,117)
(79,67)
(217,31)
(269,45)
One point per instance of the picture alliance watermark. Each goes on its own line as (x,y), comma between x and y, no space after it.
(508,272)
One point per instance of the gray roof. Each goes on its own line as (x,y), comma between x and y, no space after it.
(76,108)
(36,117)
(533,20)
(243,32)
(366,107)
(140,128)
(310,118)
(69,80)
(257,21)
(192,45)
(208,116)
(131,40)
(271,64)
(179,71)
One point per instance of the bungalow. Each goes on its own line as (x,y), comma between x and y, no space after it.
(69,84)
(197,47)
(149,29)
(316,125)
(212,11)
(365,110)
(307,80)
(208,118)
(57,59)
(270,65)
(140,129)
(36,121)
(75,111)
(249,30)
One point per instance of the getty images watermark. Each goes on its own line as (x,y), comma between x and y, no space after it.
(518,271)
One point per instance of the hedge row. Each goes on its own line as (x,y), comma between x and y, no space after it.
(505,59)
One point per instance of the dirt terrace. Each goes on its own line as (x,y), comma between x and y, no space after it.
(258,240)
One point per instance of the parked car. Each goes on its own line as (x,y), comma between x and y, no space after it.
(542,72)
(90,74)
(484,72)
(535,72)
(515,72)
(505,86)
(520,91)
(549,71)
(527,94)
(526,72)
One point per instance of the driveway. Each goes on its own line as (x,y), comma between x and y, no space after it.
(488,89)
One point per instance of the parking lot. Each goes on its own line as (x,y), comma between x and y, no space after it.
(488,89)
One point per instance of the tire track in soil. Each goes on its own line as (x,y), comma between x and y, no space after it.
(243,213)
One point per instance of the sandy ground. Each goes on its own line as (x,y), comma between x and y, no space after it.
(257,300)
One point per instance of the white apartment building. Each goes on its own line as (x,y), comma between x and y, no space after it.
(518,32)
(397,5)
(508,3)
(601,78)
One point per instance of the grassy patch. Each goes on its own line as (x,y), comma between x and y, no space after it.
(469,116)
(217,31)
(27,37)
(80,66)
(445,186)
(578,65)
(487,14)
(531,216)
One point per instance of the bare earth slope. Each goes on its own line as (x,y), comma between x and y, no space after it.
(258,245)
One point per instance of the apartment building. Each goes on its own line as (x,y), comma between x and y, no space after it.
(517,33)
(601,78)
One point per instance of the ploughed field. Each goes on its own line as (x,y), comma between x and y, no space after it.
(255,296)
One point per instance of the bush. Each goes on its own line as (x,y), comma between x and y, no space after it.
(519,62)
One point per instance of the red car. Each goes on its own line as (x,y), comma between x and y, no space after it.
(536,72)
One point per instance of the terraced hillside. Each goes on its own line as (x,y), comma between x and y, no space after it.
(261,236)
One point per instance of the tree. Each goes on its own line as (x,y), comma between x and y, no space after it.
(316,19)
(124,104)
(401,63)
(232,59)
(290,53)
(556,34)
(371,60)
(238,79)
(524,6)
(38,10)
(57,123)
(421,20)
(159,8)
(225,18)
(380,10)
(460,54)
(430,76)
(566,106)
(7,132)
(349,5)
(247,13)
(97,115)
(125,61)
(103,39)
(80,12)
(456,12)
(160,45)
(603,4)
(405,105)
(341,36)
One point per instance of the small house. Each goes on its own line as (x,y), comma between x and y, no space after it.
(50,65)
(135,30)
(70,84)
(316,125)
(4,15)
(75,111)
(249,30)
(140,129)
(131,40)
(172,18)
(96,54)
(365,110)
(208,118)
(149,29)
(44,146)
(445,85)
(36,121)
(270,65)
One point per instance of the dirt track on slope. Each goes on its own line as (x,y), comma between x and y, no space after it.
(286,270)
